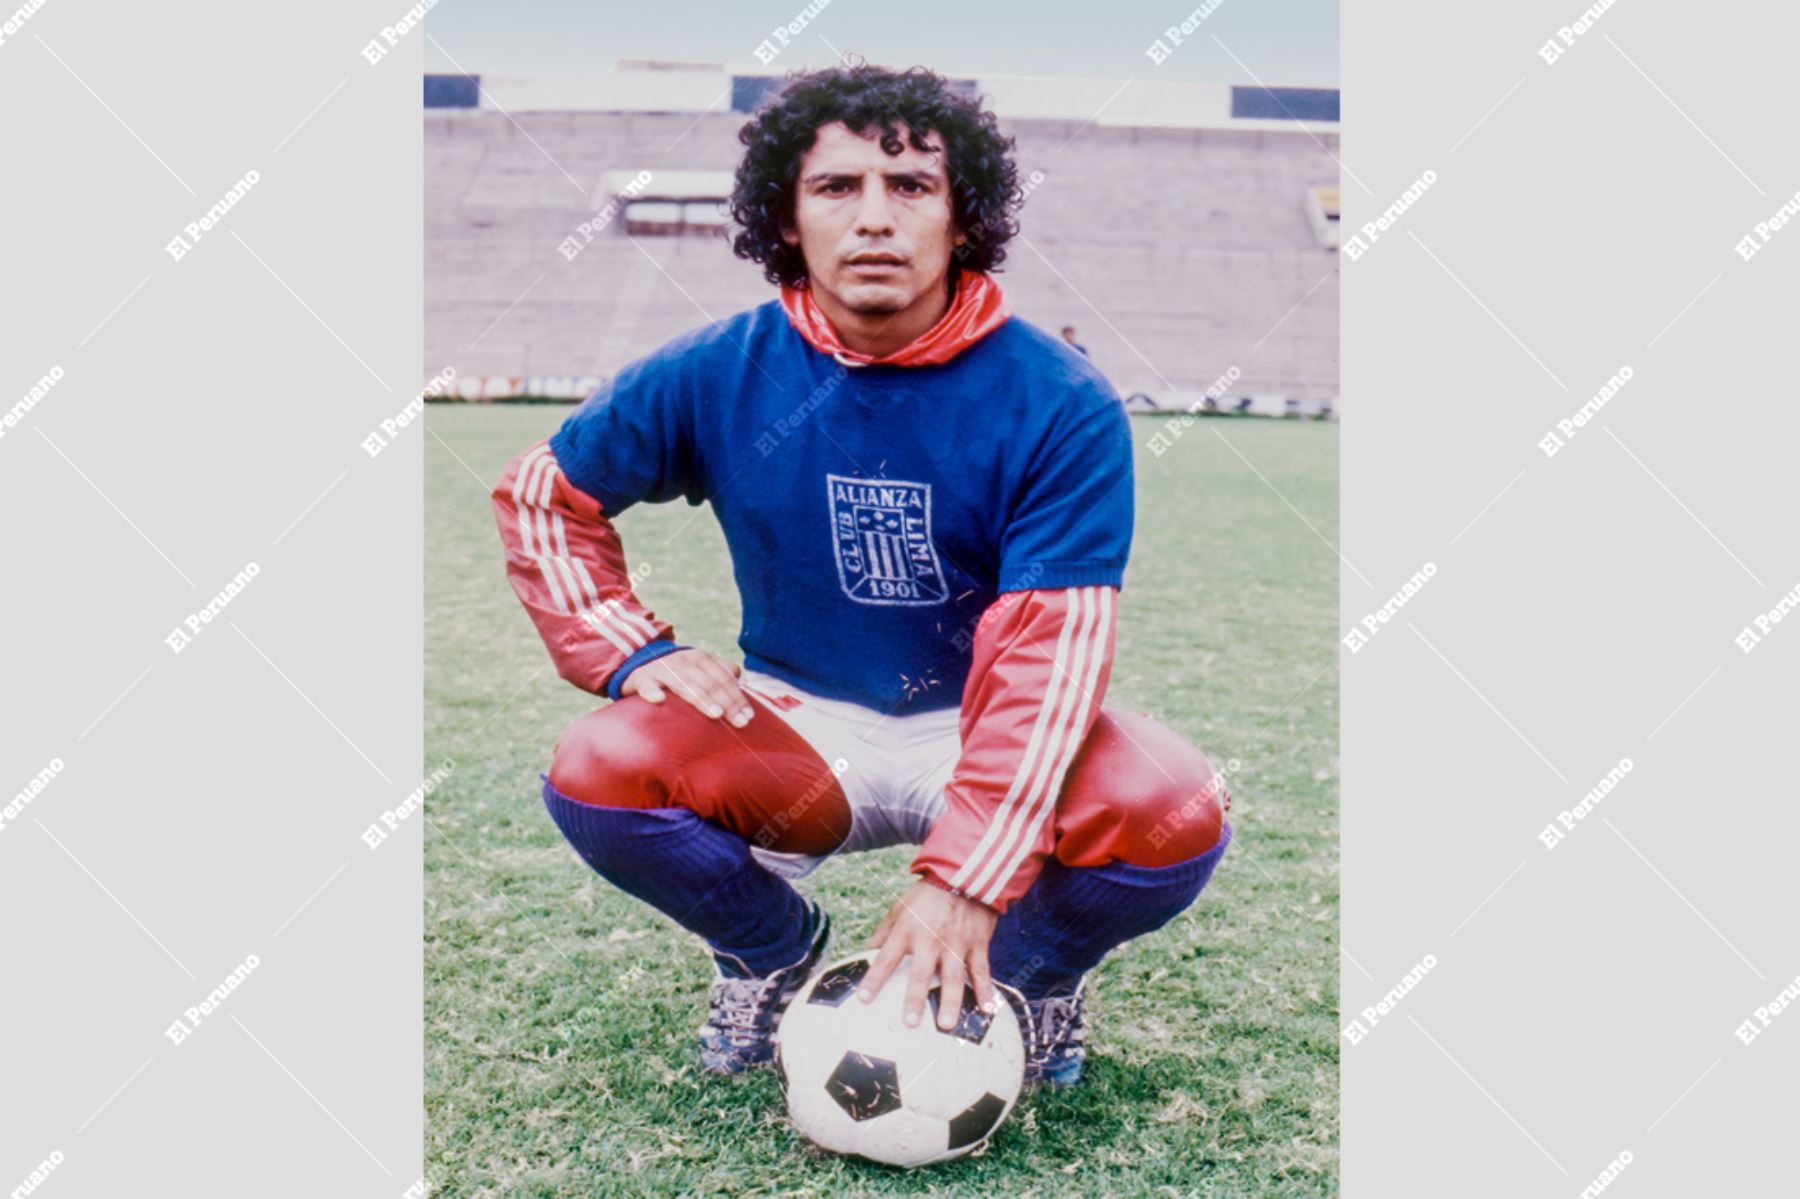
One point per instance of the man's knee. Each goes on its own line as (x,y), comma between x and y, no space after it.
(611,758)
(1139,793)
(763,782)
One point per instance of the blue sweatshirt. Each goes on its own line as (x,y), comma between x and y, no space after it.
(873,513)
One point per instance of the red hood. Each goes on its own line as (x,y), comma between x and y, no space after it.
(978,308)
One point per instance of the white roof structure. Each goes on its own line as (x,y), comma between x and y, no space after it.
(708,87)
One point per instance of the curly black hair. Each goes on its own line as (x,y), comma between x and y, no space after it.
(984,191)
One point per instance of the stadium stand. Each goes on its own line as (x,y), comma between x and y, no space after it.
(1185,230)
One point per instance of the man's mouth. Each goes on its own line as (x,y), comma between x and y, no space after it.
(876,263)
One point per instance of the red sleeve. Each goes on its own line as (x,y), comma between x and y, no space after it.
(566,565)
(1041,664)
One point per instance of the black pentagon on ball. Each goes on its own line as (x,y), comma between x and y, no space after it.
(864,1086)
(976,1121)
(972,1023)
(838,983)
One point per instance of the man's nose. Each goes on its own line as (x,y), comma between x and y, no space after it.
(874,213)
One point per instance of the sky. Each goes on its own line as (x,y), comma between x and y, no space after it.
(1279,42)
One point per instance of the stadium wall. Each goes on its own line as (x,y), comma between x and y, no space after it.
(1176,252)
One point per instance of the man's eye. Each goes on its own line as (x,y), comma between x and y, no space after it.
(836,188)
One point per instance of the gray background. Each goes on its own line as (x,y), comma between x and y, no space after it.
(211,414)
(1584,997)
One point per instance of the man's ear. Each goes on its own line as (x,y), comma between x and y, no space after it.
(790,235)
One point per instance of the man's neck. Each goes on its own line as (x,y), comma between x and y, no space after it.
(878,334)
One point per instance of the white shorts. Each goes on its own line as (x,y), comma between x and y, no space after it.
(893,769)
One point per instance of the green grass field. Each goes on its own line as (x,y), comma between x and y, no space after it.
(561,1014)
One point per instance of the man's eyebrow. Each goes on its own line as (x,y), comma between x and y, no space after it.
(920,176)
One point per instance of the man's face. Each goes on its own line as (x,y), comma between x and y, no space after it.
(876,229)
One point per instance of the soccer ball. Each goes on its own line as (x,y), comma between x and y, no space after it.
(859,1081)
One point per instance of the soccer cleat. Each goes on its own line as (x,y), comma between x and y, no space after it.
(739,1033)
(1054,1052)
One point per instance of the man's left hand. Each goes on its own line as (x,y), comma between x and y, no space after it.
(947,937)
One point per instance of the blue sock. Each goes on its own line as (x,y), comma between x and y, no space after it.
(695,872)
(1073,916)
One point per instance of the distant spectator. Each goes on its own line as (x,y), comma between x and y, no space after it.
(1068,334)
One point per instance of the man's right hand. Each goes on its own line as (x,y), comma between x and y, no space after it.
(707,682)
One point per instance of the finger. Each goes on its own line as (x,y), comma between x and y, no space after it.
(707,673)
(881,930)
(728,695)
(885,961)
(647,687)
(720,690)
(741,709)
(724,692)
(950,991)
(918,982)
(698,701)
(984,981)
(684,685)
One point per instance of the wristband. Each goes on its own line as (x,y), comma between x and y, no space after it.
(649,653)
